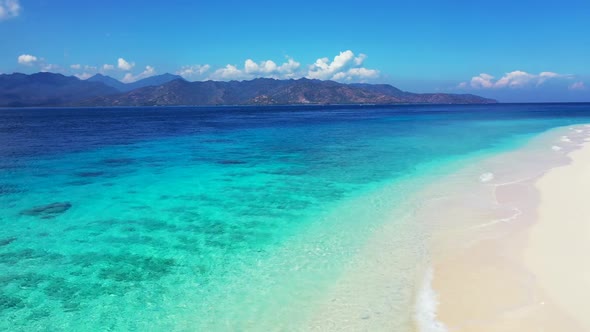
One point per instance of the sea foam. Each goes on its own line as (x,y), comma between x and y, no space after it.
(486,177)
(426,305)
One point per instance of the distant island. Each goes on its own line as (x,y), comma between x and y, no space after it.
(51,89)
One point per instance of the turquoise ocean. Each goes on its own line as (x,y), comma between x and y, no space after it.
(220,218)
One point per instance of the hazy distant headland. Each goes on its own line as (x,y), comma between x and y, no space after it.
(50,89)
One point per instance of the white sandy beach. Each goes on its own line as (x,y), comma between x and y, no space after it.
(530,275)
(558,249)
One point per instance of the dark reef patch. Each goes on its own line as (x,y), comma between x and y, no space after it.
(134,268)
(7,241)
(118,161)
(23,281)
(10,302)
(90,174)
(9,189)
(219,140)
(47,211)
(79,183)
(232,162)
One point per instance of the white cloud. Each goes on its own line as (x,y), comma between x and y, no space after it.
(9,9)
(193,71)
(124,65)
(546,75)
(514,79)
(324,69)
(107,67)
(345,67)
(362,73)
(481,81)
(50,68)
(252,69)
(360,59)
(289,68)
(149,71)
(230,72)
(577,86)
(250,66)
(83,76)
(27,59)
(265,67)
(76,66)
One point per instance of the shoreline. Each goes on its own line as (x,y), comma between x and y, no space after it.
(469,227)
(525,271)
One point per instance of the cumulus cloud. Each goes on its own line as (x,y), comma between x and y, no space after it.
(76,66)
(577,86)
(481,81)
(344,67)
(193,71)
(356,74)
(252,69)
(124,65)
(107,67)
(27,59)
(360,59)
(9,9)
(230,72)
(514,79)
(289,68)
(265,67)
(129,78)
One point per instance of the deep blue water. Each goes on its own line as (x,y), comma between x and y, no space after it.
(179,218)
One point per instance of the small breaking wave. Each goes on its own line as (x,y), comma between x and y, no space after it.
(426,305)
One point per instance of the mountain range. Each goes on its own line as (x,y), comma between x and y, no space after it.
(50,89)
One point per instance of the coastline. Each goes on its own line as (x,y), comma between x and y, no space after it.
(525,271)
(471,227)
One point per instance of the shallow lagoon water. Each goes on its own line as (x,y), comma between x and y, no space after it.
(217,218)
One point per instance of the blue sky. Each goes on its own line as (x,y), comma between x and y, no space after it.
(512,50)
